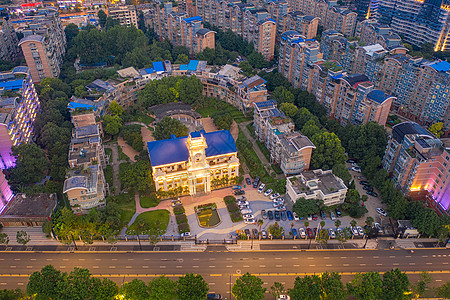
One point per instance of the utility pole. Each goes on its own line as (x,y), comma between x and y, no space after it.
(76,248)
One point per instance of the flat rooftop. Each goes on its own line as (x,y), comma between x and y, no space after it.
(310,181)
(40,205)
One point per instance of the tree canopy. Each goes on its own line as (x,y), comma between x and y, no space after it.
(168,126)
(248,287)
(304,207)
(31,164)
(192,287)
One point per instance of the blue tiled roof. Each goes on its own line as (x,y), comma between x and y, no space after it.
(183,67)
(150,70)
(75,105)
(175,149)
(192,66)
(196,18)
(12,84)
(400,130)
(158,66)
(442,66)
(378,96)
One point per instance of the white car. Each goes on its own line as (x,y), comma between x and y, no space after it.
(248,216)
(243,203)
(186,234)
(354,231)
(280,208)
(274,196)
(268,192)
(360,230)
(249,221)
(276,204)
(280,200)
(332,216)
(264,234)
(296,218)
(381,212)
(246,211)
(355,165)
(261,188)
(378,227)
(302,232)
(241,207)
(356,169)
(331,233)
(309,217)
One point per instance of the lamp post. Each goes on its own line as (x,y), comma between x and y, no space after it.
(75,244)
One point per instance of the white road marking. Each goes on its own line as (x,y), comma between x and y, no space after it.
(392,256)
(359,257)
(376,257)
(227,258)
(445,263)
(326,257)
(312,265)
(49,259)
(343,256)
(262,266)
(131,259)
(98,259)
(114,259)
(62,267)
(296,265)
(145,267)
(424,255)
(278,266)
(16,258)
(412,264)
(162,267)
(379,264)
(362,265)
(395,264)
(277,257)
(346,265)
(212,266)
(65,259)
(212,259)
(246,266)
(30,259)
(429,263)
(179,267)
(310,257)
(20,283)
(195,266)
(82,259)
(112,267)
(128,267)
(95,267)
(295,258)
(229,266)
(12,267)
(329,265)
(29,267)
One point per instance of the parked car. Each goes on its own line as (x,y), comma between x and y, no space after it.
(276,204)
(322,215)
(248,181)
(248,216)
(237,187)
(294,232)
(338,212)
(186,234)
(314,217)
(176,203)
(270,214)
(351,161)
(257,180)
(338,231)
(283,216)
(356,169)
(261,188)
(243,203)
(370,193)
(255,233)
(355,165)
(363,182)
(249,221)
(264,214)
(360,230)
(247,232)
(246,211)
(378,228)
(214,297)
(239,192)
(332,216)
(289,215)
(331,233)
(268,192)
(241,207)
(281,200)
(280,208)
(302,232)
(361,178)
(264,234)
(243,198)
(310,233)
(274,196)
(255,184)
(309,218)
(368,188)
(354,231)
(277,215)
(381,212)
(296,218)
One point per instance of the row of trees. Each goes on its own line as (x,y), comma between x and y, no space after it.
(50,283)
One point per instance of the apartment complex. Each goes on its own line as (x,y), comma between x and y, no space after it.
(303,24)
(19,104)
(195,163)
(44,45)
(85,185)
(179,28)
(9,49)
(5,192)
(288,148)
(125,14)
(317,184)
(419,165)
(419,22)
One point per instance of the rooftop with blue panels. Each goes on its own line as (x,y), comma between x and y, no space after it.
(175,149)
(192,19)
(378,96)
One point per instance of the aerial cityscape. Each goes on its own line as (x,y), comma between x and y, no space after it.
(224,149)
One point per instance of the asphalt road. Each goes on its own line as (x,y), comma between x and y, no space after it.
(220,268)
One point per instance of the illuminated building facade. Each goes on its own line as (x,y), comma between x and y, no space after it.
(125,14)
(17,113)
(196,163)
(419,165)
(5,192)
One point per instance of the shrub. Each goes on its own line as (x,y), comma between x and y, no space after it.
(236,217)
(232,207)
(181,219)
(183,228)
(178,210)
(229,199)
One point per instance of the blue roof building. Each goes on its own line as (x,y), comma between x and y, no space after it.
(193,163)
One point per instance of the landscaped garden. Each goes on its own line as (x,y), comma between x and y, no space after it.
(147,201)
(207,215)
(233,208)
(150,222)
(181,218)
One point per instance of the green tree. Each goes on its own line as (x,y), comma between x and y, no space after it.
(134,290)
(436,129)
(304,207)
(277,289)
(248,287)
(45,284)
(22,237)
(323,236)
(422,284)
(444,290)
(332,286)
(190,89)
(103,289)
(337,223)
(115,108)
(310,129)
(168,126)
(366,286)
(328,152)
(101,18)
(31,164)
(162,288)
(395,285)
(11,294)
(112,124)
(71,32)
(353,223)
(4,239)
(344,235)
(289,109)
(282,95)
(192,287)
(308,287)
(276,230)
(341,171)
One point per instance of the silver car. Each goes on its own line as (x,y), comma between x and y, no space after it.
(331,233)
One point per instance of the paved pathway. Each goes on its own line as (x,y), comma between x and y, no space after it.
(127,149)
(114,161)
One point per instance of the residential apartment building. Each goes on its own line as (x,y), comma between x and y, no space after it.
(195,163)
(375,107)
(85,185)
(289,149)
(370,32)
(419,165)
(303,24)
(125,14)
(419,22)
(317,184)
(19,104)
(44,45)
(9,49)
(179,28)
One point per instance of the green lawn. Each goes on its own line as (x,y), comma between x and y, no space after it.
(151,219)
(141,117)
(148,201)
(222,106)
(127,207)
(263,149)
(108,152)
(108,171)
(122,156)
(208,217)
